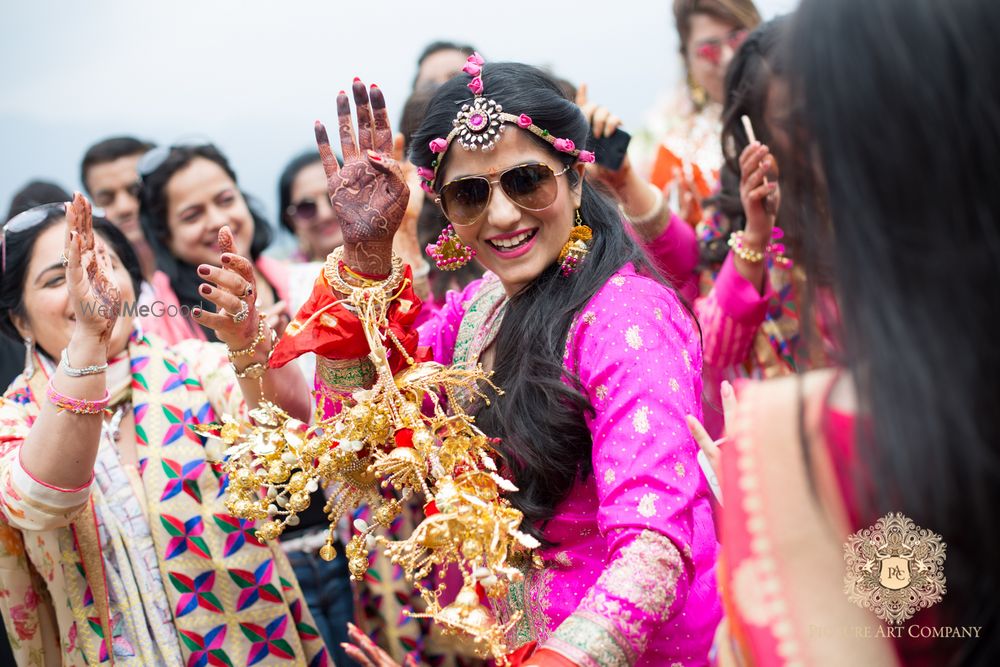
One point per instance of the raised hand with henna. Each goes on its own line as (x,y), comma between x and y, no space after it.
(369,192)
(96,299)
(232,288)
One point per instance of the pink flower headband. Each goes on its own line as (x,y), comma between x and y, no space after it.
(478,126)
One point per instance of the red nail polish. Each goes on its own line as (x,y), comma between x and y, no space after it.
(356,79)
(206,290)
(196,312)
(375,156)
(203,271)
(341,93)
(226,259)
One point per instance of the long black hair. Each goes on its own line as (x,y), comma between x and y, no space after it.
(184,277)
(753,67)
(21,246)
(901,117)
(540,419)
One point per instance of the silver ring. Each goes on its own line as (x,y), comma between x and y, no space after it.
(63,259)
(241,316)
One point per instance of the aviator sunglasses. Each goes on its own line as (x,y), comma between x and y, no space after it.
(28,219)
(532,187)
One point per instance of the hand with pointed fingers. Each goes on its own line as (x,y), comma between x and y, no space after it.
(759,193)
(369,192)
(367,654)
(233,289)
(97,302)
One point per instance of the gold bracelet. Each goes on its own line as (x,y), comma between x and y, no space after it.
(742,251)
(248,351)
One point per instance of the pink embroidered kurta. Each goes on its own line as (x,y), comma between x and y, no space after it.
(631,579)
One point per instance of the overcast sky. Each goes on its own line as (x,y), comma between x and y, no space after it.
(253,75)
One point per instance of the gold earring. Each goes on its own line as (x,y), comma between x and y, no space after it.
(576,248)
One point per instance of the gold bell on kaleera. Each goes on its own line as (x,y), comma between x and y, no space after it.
(467,614)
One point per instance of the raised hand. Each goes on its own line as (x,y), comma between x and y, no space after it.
(369,192)
(97,302)
(232,288)
(759,193)
(603,124)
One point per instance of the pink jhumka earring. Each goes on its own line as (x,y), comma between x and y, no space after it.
(449,253)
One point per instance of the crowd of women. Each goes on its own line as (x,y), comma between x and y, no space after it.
(757,334)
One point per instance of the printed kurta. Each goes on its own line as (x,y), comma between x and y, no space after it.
(150,570)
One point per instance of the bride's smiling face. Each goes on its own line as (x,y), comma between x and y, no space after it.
(514,242)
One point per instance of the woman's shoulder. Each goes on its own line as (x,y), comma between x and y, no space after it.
(630,296)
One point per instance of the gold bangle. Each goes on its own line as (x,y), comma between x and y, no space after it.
(248,351)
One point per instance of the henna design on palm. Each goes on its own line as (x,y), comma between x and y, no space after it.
(96,262)
(369,192)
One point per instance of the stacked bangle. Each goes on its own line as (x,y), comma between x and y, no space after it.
(80,372)
(654,212)
(252,348)
(77,406)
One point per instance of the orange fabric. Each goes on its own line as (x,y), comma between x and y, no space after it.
(527,656)
(548,658)
(667,163)
(330,330)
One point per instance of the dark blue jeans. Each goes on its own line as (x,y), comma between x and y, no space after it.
(327,589)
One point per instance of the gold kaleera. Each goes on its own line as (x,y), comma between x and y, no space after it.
(383,437)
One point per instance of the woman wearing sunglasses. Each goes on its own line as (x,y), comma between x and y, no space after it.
(598,363)
(115,542)
(305,208)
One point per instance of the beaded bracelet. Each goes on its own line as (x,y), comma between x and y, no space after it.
(249,350)
(743,252)
(81,372)
(77,406)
